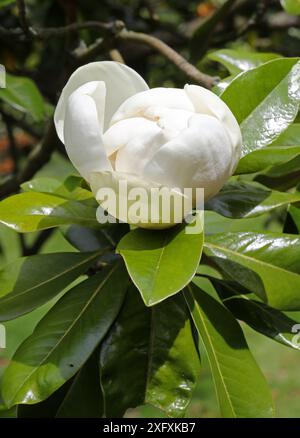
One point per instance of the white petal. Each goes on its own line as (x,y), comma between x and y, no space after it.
(140,149)
(137,106)
(82,130)
(121,82)
(172,121)
(206,102)
(201,156)
(110,180)
(120,134)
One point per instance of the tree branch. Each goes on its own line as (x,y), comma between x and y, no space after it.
(115,55)
(47,32)
(23,17)
(190,70)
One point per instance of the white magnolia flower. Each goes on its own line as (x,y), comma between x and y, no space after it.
(114,127)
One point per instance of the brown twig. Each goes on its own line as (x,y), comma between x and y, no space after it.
(190,70)
(82,55)
(23,17)
(115,55)
(47,32)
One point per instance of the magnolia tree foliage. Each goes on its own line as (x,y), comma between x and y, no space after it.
(134,307)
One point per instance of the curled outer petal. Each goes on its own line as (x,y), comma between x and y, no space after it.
(82,130)
(120,81)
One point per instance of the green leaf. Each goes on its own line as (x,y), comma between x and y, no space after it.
(261,317)
(283,176)
(8,413)
(84,397)
(161,263)
(32,211)
(290,137)
(237,61)
(46,408)
(295,214)
(265,157)
(245,200)
(42,185)
(23,95)
(241,388)
(266,264)
(221,86)
(71,188)
(65,338)
(89,239)
(29,282)
(260,97)
(291,6)
(149,356)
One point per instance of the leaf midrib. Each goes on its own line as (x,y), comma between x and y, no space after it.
(251,259)
(214,356)
(9,296)
(74,322)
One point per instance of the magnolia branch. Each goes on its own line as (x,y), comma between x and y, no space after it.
(23,17)
(189,69)
(114,31)
(43,33)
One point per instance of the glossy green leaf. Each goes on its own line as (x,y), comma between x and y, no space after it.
(71,188)
(46,408)
(262,158)
(283,169)
(241,388)
(221,86)
(161,263)
(295,214)
(261,317)
(265,101)
(267,264)
(237,61)
(291,6)
(149,356)
(283,176)
(245,200)
(65,338)
(89,239)
(31,211)
(42,185)
(23,95)
(84,397)
(29,282)
(8,413)
(290,137)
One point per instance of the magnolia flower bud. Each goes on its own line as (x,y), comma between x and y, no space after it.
(114,127)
